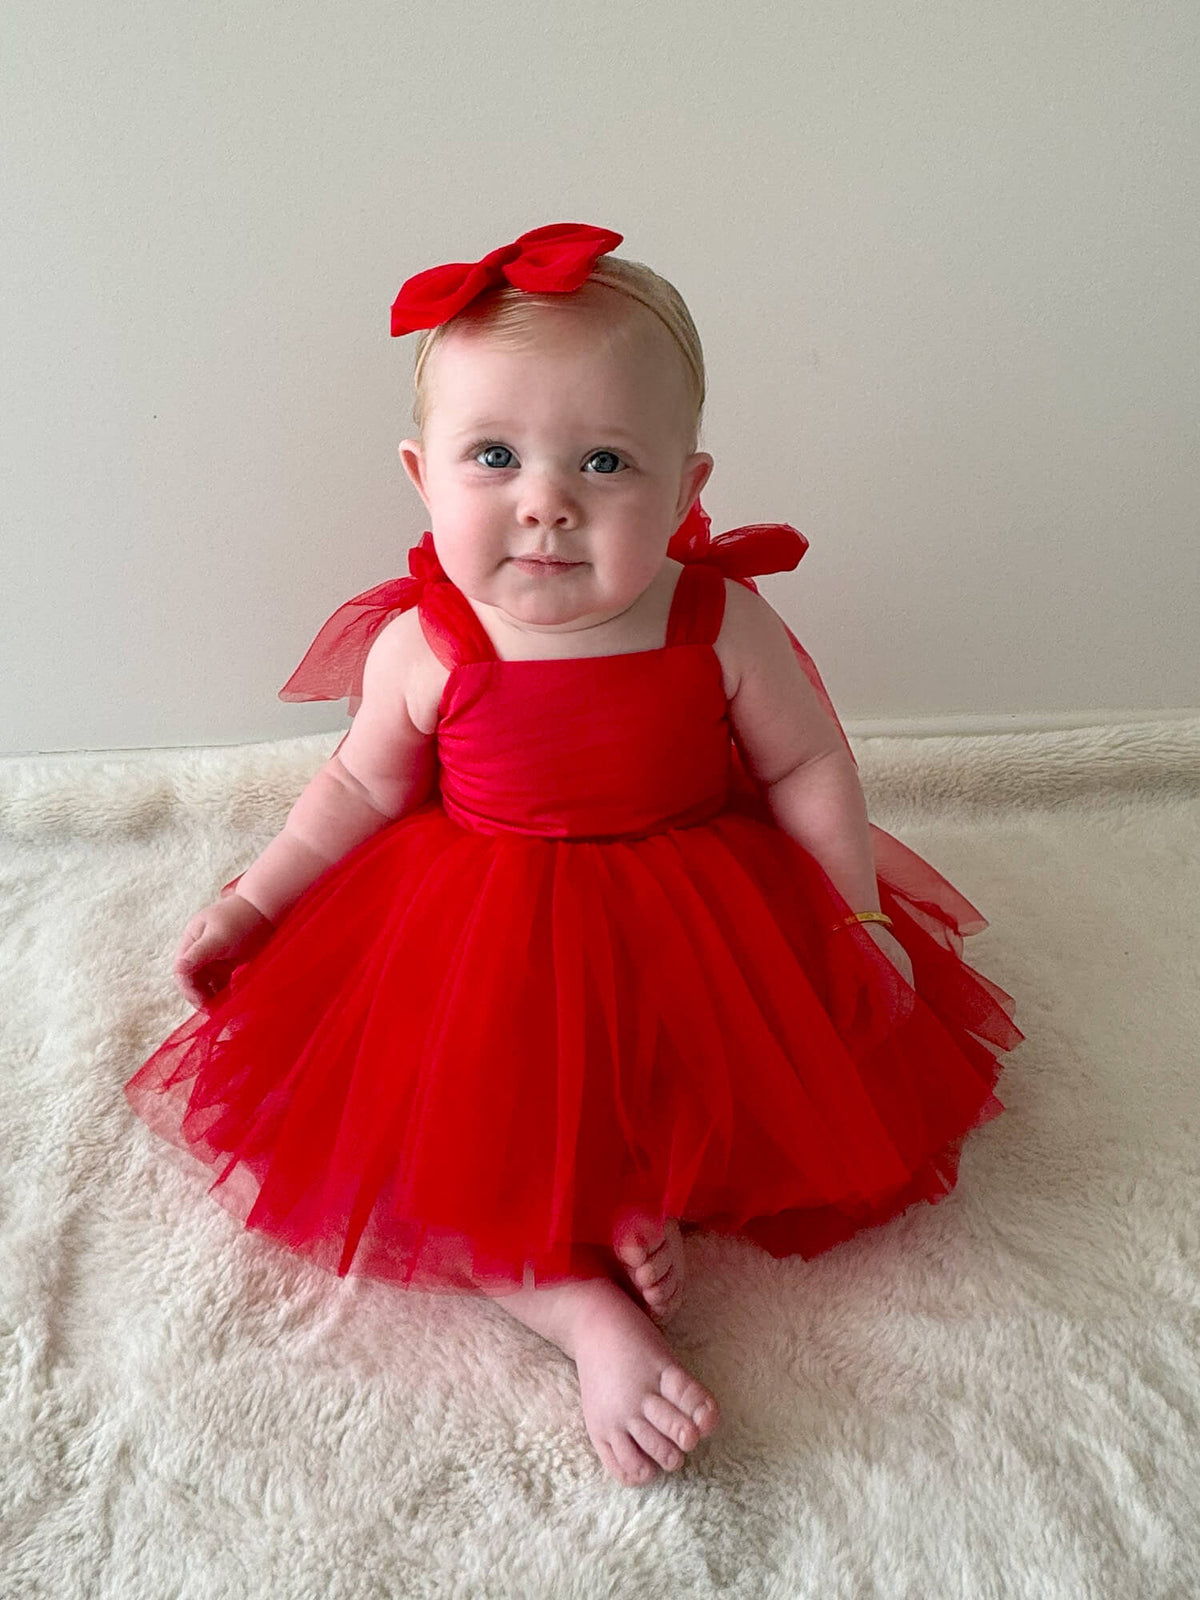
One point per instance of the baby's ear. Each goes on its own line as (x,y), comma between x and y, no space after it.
(412,459)
(696,472)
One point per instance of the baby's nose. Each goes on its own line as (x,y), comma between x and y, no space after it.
(546,501)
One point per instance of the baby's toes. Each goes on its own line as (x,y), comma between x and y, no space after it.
(661,1312)
(663,1316)
(658,1288)
(635,1240)
(690,1396)
(626,1463)
(656,1444)
(671,1422)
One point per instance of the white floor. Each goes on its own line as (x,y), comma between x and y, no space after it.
(995,1397)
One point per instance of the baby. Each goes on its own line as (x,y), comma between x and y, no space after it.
(519,988)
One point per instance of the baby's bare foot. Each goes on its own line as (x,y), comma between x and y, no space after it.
(642,1409)
(653,1260)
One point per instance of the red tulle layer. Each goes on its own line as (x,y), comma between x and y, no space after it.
(463,1056)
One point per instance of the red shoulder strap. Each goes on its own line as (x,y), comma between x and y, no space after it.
(744,554)
(452,630)
(698,606)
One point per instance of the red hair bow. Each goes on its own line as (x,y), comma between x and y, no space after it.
(550,260)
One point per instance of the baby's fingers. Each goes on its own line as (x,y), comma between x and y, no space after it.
(190,989)
(201,985)
(193,936)
(195,948)
(195,962)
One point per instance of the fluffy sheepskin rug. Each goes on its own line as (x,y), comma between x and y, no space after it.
(995,1397)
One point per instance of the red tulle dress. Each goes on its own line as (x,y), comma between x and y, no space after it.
(589,974)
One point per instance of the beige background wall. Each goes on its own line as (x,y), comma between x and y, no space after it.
(943,257)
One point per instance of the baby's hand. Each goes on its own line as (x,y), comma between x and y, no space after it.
(215,941)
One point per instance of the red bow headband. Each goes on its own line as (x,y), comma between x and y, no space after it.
(550,260)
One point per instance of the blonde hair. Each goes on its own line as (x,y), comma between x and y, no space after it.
(510,314)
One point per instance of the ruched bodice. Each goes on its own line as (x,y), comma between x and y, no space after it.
(592,748)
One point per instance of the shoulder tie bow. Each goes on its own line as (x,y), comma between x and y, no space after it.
(742,553)
(550,260)
(332,667)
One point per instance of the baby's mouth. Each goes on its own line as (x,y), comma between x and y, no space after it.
(546,563)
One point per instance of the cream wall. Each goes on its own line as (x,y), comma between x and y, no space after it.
(943,257)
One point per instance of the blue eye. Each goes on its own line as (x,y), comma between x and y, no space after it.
(494,450)
(606,455)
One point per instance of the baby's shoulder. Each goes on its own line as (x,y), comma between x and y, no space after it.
(745,609)
(751,630)
(401,662)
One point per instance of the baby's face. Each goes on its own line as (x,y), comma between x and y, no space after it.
(554,475)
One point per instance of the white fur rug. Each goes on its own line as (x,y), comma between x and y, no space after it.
(995,1397)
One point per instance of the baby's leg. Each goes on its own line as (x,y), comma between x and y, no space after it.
(642,1409)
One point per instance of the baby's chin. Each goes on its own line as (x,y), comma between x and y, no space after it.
(555,603)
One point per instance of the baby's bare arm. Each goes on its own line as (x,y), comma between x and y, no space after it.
(793,748)
(383,768)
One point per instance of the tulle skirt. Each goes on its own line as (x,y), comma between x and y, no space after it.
(463,1056)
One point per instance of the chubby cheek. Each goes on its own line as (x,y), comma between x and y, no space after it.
(469,554)
(631,566)
(463,531)
(465,561)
